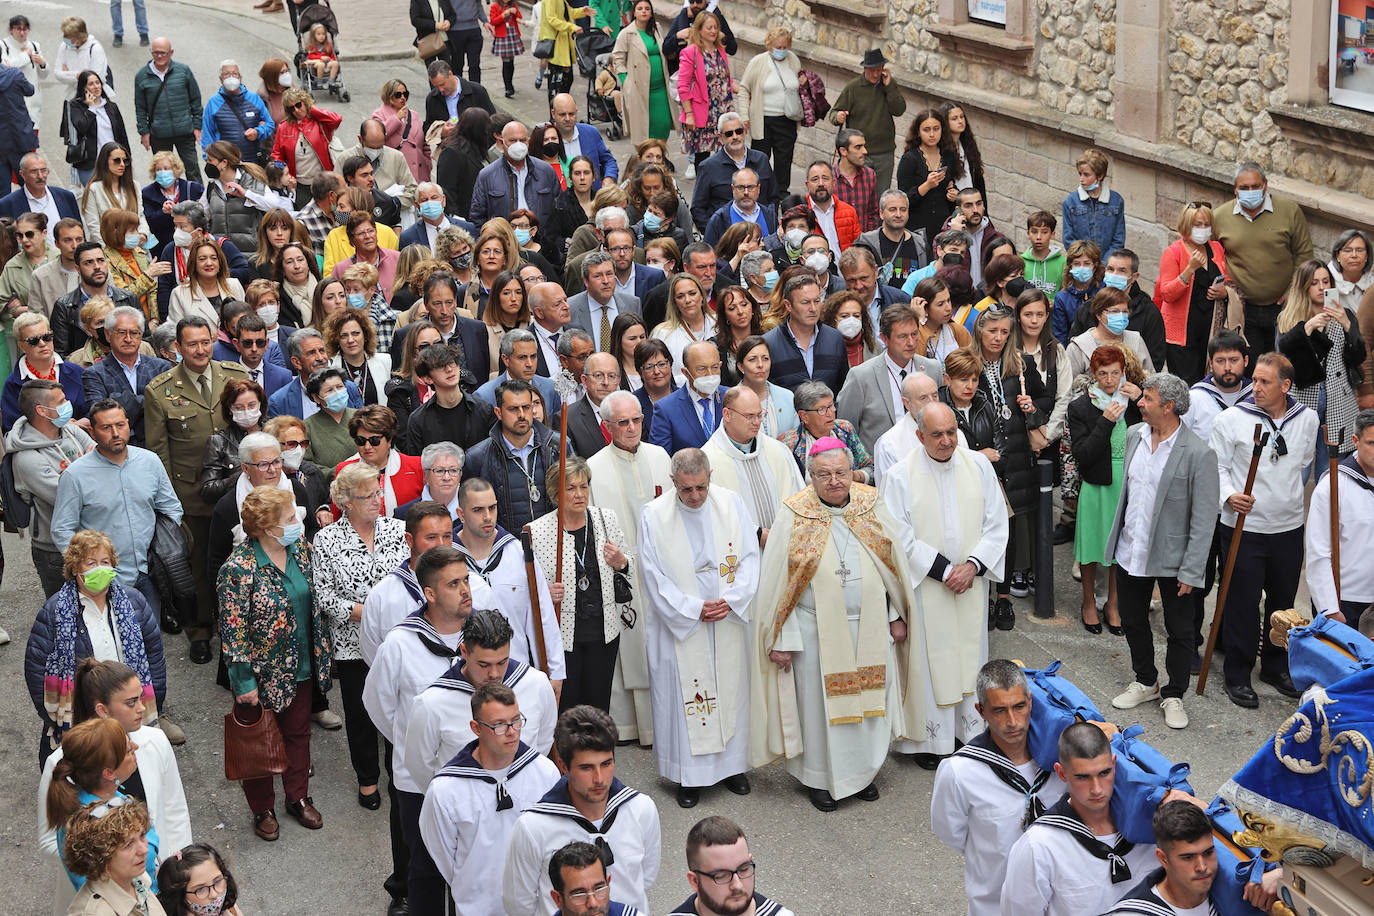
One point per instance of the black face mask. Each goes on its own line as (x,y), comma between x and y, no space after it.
(211,170)
(1016,286)
(550,150)
(951,259)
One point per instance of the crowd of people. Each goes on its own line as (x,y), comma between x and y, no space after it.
(428,417)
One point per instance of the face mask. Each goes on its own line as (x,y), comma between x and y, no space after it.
(284,80)
(292,457)
(432,209)
(177,354)
(819,262)
(98,579)
(795,237)
(1092,187)
(951,259)
(1116,281)
(211,170)
(1251,200)
(232,84)
(652,222)
(165,178)
(706,385)
(213,908)
(290,534)
(1116,322)
(549,150)
(779,53)
(69,43)
(181,238)
(340,216)
(1201,235)
(1081,274)
(517,151)
(372,154)
(246,418)
(356,300)
(770,279)
(64,415)
(522,236)
(849,326)
(463,261)
(337,400)
(268,314)
(132,240)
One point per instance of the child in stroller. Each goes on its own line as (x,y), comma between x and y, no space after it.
(317,54)
(320,55)
(603,102)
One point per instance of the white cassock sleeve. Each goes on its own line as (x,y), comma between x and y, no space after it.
(949,810)
(419,748)
(524,860)
(1320,585)
(379,691)
(439,830)
(1027,890)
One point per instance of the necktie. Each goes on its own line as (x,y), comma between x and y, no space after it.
(708,423)
(257,381)
(605,329)
(903,374)
(205,387)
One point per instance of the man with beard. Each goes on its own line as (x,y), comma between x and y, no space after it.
(720,870)
(835,219)
(581,886)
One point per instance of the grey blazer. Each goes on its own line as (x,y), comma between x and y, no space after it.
(1185,509)
(866,398)
(581,308)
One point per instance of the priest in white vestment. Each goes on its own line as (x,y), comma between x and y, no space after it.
(700,558)
(626,476)
(759,468)
(918,390)
(952,525)
(832,603)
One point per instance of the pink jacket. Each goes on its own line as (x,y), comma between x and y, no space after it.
(1173,296)
(412,145)
(691,85)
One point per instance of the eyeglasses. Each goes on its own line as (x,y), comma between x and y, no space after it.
(725,875)
(208,891)
(535,278)
(629,421)
(265,466)
(500,728)
(621,249)
(656,367)
(750,417)
(289,444)
(130,333)
(41,338)
(403,94)
(600,892)
(822,408)
(732,133)
(253,344)
(745,187)
(373,441)
(367,498)
(831,476)
(444,472)
(604,376)
(118,801)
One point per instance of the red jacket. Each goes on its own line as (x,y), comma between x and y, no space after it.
(1173,296)
(499,22)
(318,129)
(846,222)
(407,483)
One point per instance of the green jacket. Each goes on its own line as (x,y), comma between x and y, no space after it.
(872,110)
(178,111)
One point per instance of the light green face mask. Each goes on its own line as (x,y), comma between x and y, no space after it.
(98,579)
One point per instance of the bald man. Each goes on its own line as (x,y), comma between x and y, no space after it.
(689,416)
(901,440)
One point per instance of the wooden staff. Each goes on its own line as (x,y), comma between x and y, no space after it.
(535,614)
(566,388)
(1260,442)
(1333,455)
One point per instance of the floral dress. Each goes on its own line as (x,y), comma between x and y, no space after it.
(704,138)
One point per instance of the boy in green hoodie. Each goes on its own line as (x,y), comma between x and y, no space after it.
(1045,258)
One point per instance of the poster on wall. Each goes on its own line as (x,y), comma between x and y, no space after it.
(1352,54)
(988,12)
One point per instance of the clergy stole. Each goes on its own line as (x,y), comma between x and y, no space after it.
(855,676)
(762,478)
(710,719)
(951,519)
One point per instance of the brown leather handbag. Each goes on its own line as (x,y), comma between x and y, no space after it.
(252,749)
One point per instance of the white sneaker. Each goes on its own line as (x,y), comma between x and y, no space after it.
(1174,715)
(691,168)
(4,637)
(1135,694)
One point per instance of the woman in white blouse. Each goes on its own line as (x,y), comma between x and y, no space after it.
(78,52)
(111,187)
(687,321)
(352,555)
(769,97)
(350,339)
(206,286)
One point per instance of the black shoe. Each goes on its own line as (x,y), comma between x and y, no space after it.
(1063,533)
(1020,588)
(1197,662)
(143,41)
(869,792)
(370,802)
(739,784)
(992,614)
(200,651)
(170,624)
(1115,630)
(1006,617)
(1093,628)
(1030,581)
(1243,695)
(822,800)
(1282,683)
(118,41)
(510,93)
(398,908)
(926,761)
(687,797)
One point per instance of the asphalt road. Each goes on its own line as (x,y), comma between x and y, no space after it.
(879,855)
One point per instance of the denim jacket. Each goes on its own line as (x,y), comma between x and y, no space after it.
(1100,220)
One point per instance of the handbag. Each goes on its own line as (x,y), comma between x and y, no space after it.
(431,45)
(252,750)
(543,49)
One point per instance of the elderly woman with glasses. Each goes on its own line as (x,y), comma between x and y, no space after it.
(352,555)
(815,406)
(38,360)
(373,429)
(443,465)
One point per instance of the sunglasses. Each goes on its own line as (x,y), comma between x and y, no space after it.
(732,133)
(289,444)
(252,344)
(118,801)
(404,94)
(41,338)
(29,235)
(1199,204)
(373,441)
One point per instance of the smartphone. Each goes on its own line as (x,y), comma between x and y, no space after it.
(1331,299)
(1219,281)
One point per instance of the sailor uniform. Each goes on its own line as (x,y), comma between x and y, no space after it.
(628,835)
(394,599)
(509,592)
(438,726)
(1145,901)
(980,806)
(1206,402)
(467,818)
(1357,533)
(762,907)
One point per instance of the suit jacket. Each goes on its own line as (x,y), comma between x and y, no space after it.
(866,399)
(470,95)
(472,337)
(106,379)
(179,422)
(289,400)
(676,424)
(584,429)
(645,279)
(594,148)
(829,363)
(416,234)
(1184,514)
(16,204)
(273,378)
(581,307)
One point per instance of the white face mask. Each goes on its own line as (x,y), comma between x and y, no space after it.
(292,457)
(795,237)
(181,238)
(268,314)
(517,151)
(232,84)
(1201,235)
(284,79)
(246,417)
(706,385)
(819,262)
(849,326)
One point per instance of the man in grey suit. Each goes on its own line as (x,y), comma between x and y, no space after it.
(598,306)
(871,398)
(1162,534)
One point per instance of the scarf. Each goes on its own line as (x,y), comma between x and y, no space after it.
(60,669)
(1102,400)
(1063,817)
(983,749)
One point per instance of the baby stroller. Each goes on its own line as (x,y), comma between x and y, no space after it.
(318,13)
(593,57)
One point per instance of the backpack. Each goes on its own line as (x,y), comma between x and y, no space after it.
(18,513)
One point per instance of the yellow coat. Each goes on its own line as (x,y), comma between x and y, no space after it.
(555,22)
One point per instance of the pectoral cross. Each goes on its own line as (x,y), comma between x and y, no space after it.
(844,573)
(729,568)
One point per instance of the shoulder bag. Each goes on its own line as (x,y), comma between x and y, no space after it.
(431,45)
(544,47)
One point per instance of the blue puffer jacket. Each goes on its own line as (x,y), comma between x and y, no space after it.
(491,460)
(219,122)
(44,632)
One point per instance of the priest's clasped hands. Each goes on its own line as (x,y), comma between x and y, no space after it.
(961,577)
(714,609)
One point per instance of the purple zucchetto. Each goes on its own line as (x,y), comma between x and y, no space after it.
(825,444)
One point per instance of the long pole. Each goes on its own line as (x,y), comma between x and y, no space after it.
(1260,442)
(1333,455)
(527,544)
(562,481)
